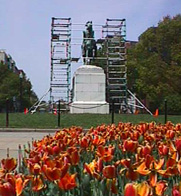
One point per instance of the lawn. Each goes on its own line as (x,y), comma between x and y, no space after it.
(46,120)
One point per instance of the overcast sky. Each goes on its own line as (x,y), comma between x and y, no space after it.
(25,27)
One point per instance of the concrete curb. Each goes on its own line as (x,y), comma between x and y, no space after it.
(32,130)
(28,130)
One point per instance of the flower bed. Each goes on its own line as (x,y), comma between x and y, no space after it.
(127,159)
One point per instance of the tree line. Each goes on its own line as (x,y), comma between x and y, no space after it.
(154,65)
(17,90)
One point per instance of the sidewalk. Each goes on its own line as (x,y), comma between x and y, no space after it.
(11,138)
(28,130)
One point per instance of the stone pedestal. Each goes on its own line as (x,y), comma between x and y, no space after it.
(89,91)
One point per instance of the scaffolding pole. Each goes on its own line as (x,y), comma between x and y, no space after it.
(60,75)
(116,72)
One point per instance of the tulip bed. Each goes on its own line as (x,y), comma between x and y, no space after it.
(124,159)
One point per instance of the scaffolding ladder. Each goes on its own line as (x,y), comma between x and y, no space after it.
(114,33)
(60,75)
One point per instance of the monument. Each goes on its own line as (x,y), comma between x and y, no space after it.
(89,82)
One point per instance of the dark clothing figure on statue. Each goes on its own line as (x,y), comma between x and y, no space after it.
(89,48)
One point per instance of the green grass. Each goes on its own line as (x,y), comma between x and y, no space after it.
(46,120)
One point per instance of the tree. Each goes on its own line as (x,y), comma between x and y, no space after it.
(10,89)
(154,64)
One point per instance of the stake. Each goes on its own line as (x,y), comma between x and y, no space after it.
(165,111)
(7,112)
(59,113)
(112,111)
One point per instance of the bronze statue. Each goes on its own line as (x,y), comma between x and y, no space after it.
(89,48)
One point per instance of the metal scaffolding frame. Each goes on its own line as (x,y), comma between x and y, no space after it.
(60,76)
(113,36)
(114,33)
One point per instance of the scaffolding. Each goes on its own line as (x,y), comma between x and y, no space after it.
(60,76)
(114,33)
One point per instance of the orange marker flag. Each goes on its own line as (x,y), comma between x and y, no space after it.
(156,113)
(55,112)
(25,110)
(136,112)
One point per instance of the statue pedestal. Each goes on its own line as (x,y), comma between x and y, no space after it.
(89,91)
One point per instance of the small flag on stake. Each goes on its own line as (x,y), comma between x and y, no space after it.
(25,110)
(156,113)
(136,112)
(55,111)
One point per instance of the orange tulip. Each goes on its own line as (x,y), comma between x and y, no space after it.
(98,140)
(64,170)
(142,169)
(20,184)
(130,173)
(49,162)
(160,188)
(126,163)
(124,135)
(34,168)
(8,164)
(51,173)
(135,135)
(2,173)
(153,179)
(105,153)
(109,171)
(143,189)
(130,190)
(37,183)
(68,182)
(179,166)
(92,169)
(75,157)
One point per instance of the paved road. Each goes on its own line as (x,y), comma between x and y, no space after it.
(12,140)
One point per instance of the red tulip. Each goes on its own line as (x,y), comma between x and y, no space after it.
(8,164)
(56,150)
(109,171)
(175,191)
(146,150)
(6,189)
(163,149)
(178,144)
(84,143)
(130,145)
(130,190)
(99,165)
(170,134)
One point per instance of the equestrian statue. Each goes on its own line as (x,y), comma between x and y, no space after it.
(89,48)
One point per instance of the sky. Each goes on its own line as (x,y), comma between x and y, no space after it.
(25,27)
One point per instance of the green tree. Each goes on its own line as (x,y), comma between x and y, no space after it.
(154,64)
(10,89)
